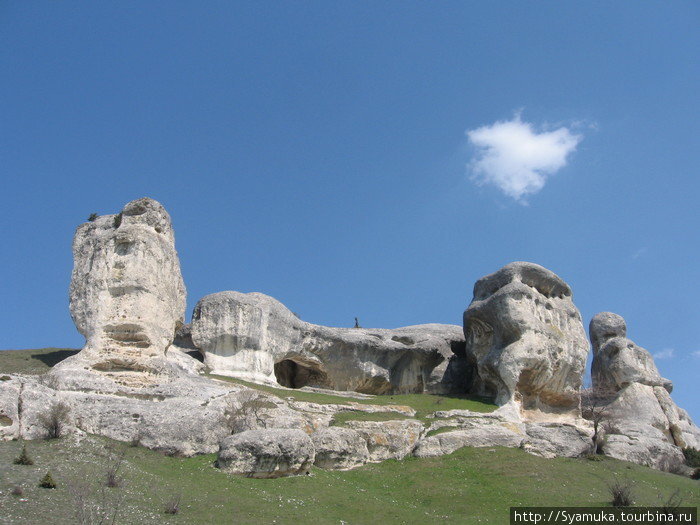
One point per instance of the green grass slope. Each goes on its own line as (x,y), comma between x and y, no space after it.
(468,486)
(32,361)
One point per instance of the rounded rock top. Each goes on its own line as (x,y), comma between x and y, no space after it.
(543,280)
(605,326)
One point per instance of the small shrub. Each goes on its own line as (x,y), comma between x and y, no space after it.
(117,220)
(17,491)
(23,458)
(692,457)
(47,482)
(95,505)
(246,411)
(672,503)
(173,505)
(696,474)
(5,378)
(621,493)
(594,457)
(92,217)
(54,421)
(113,478)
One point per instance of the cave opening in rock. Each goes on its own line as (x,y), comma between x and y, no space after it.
(296,374)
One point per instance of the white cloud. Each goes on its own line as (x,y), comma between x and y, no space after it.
(517,159)
(666,353)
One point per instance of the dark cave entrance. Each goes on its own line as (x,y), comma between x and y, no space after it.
(296,374)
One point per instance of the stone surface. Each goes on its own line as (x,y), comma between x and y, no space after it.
(267,453)
(478,436)
(526,339)
(617,361)
(126,292)
(388,439)
(641,422)
(339,448)
(551,440)
(255,337)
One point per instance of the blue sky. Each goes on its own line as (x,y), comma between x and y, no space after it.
(319,152)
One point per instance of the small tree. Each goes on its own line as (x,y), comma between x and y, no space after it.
(692,457)
(47,482)
(92,217)
(246,411)
(113,479)
(23,458)
(595,406)
(55,420)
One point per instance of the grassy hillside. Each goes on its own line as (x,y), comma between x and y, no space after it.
(423,404)
(32,361)
(468,486)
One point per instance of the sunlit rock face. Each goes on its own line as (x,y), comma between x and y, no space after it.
(526,339)
(642,422)
(253,336)
(617,361)
(126,292)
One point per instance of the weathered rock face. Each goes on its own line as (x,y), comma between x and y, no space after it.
(255,337)
(388,439)
(617,361)
(339,448)
(642,423)
(267,453)
(526,339)
(126,292)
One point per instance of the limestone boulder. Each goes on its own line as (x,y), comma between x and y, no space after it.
(339,448)
(641,423)
(394,439)
(478,436)
(618,361)
(525,338)
(551,440)
(255,337)
(126,294)
(267,453)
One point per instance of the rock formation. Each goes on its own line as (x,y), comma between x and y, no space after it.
(642,423)
(267,453)
(526,339)
(255,337)
(617,361)
(127,293)
(136,378)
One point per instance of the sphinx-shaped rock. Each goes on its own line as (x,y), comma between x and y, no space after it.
(642,422)
(126,292)
(617,361)
(253,336)
(526,339)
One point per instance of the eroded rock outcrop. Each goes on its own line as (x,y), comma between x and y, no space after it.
(267,453)
(126,293)
(526,339)
(255,337)
(617,361)
(641,422)
(339,448)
